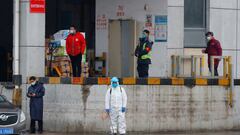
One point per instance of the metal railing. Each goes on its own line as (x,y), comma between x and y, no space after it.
(227,65)
(197,65)
(178,61)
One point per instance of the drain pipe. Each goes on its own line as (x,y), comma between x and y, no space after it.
(17,78)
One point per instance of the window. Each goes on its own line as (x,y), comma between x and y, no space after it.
(194,13)
(194,23)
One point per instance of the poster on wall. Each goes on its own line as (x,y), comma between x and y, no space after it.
(149,20)
(37,6)
(149,25)
(160,28)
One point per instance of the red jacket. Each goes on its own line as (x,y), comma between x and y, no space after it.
(75,44)
(213,49)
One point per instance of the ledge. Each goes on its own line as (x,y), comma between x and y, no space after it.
(139,81)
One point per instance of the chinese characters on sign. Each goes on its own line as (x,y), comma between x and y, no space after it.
(37,6)
(101,22)
(120,11)
(149,25)
(160,28)
(148,22)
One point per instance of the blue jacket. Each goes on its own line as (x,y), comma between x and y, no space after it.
(36,103)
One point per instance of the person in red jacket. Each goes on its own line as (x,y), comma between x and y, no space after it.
(75,47)
(213,49)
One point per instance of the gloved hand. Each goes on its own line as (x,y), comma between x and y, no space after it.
(123,109)
(107,110)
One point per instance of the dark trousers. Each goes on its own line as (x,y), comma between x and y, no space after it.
(76,65)
(142,69)
(33,125)
(215,69)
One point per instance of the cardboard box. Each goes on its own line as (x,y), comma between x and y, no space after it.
(84,75)
(65,69)
(66,75)
(61,58)
(64,63)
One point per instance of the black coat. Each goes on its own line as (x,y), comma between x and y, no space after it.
(140,51)
(36,103)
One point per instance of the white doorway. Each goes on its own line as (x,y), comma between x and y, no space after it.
(122,43)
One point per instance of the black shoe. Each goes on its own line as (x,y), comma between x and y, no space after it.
(32,132)
(40,132)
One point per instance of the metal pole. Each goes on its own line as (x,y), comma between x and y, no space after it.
(173,65)
(229,65)
(212,65)
(231,81)
(201,65)
(224,67)
(17,93)
(195,66)
(192,66)
(178,65)
(16,49)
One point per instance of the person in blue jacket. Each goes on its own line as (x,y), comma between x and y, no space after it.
(36,92)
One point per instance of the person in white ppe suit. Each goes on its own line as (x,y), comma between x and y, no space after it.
(115,106)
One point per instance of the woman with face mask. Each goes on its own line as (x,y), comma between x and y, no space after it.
(213,49)
(115,106)
(75,47)
(36,91)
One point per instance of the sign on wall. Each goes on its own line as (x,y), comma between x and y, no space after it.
(37,6)
(120,11)
(148,21)
(160,28)
(102,22)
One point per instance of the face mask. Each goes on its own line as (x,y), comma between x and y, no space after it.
(114,85)
(144,35)
(33,83)
(71,31)
(209,38)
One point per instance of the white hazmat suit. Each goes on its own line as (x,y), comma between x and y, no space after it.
(115,104)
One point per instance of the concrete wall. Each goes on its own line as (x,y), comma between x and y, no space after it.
(32,41)
(151,108)
(133,10)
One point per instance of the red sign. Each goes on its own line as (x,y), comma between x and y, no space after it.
(37,6)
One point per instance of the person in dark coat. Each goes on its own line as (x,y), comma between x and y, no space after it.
(142,52)
(213,49)
(36,92)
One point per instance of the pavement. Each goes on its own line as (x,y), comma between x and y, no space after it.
(205,133)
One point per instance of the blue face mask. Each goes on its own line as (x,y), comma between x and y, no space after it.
(114,84)
(144,36)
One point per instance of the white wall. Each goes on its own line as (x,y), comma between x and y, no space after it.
(134,9)
(175,30)
(32,42)
(224,22)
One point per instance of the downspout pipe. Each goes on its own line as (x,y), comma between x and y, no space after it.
(17,78)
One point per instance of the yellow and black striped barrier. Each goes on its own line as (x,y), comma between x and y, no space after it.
(139,81)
